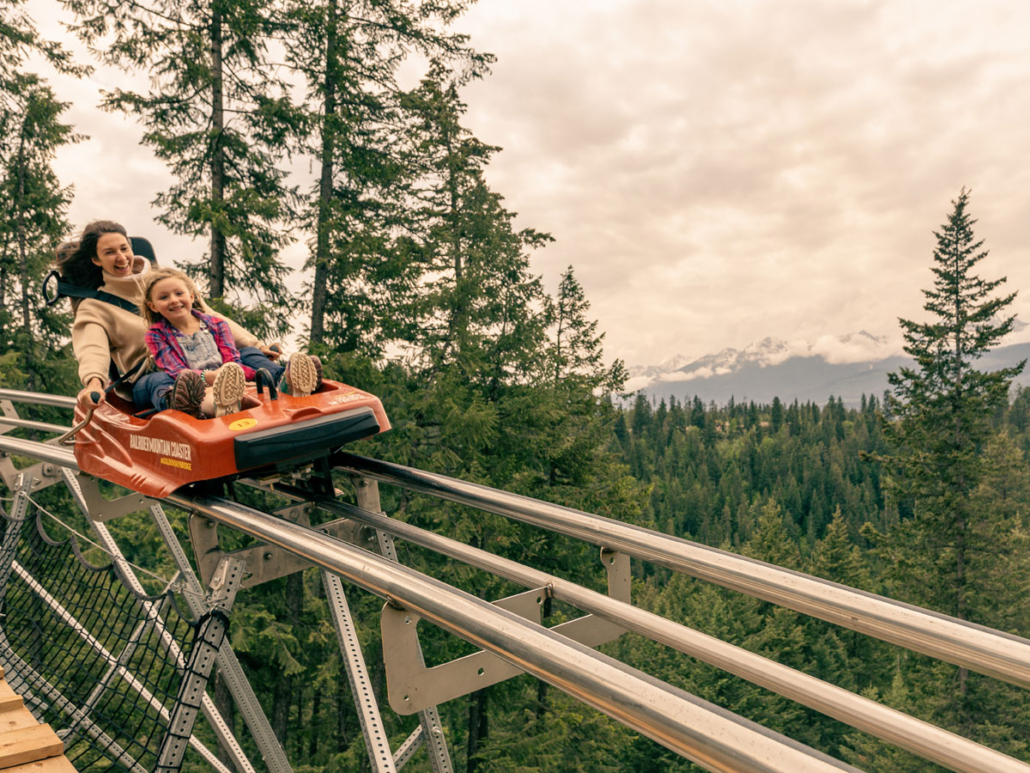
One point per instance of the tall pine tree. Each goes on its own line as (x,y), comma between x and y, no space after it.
(220,119)
(940,418)
(944,551)
(350,54)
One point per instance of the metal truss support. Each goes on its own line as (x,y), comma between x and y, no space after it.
(107,542)
(430,730)
(209,639)
(228,666)
(12,530)
(376,742)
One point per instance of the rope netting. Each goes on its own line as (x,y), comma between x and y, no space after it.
(99,663)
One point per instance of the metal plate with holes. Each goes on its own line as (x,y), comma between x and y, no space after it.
(411,687)
(265,562)
(102,509)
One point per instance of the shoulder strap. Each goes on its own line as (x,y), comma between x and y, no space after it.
(74,291)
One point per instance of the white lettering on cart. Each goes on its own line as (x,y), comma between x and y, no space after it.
(350,397)
(161,446)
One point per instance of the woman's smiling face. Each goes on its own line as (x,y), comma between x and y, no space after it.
(114,255)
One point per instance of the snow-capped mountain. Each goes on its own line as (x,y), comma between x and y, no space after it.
(673,363)
(845,366)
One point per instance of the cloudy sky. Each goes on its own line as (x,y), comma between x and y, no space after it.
(716,172)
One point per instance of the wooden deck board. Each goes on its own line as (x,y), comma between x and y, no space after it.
(25,745)
(15,719)
(28,744)
(51,765)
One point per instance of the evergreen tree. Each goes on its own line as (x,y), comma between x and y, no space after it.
(939,420)
(349,54)
(34,204)
(33,221)
(217,115)
(946,550)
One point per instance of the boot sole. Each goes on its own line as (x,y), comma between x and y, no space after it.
(302,375)
(228,389)
(187,393)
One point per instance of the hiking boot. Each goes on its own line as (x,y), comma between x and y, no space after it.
(318,372)
(227,389)
(301,375)
(187,393)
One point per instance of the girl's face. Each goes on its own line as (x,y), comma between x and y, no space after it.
(114,255)
(171,299)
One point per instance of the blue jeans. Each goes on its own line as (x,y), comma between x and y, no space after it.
(150,390)
(252,357)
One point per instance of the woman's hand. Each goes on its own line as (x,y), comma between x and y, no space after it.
(273,352)
(95,388)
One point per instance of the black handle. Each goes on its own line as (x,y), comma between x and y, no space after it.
(95,397)
(263,377)
(50,301)
(275,348)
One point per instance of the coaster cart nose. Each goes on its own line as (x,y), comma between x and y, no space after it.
(167,450)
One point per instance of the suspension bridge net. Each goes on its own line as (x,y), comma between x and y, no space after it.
(90,657)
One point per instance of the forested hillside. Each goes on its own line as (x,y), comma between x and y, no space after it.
(800,486)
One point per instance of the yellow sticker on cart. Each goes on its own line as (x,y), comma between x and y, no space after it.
(239,424)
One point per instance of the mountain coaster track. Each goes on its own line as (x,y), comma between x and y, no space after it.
(509,631)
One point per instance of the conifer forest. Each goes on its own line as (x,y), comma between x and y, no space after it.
(420,288)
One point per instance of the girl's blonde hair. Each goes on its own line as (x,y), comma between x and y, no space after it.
(156,276)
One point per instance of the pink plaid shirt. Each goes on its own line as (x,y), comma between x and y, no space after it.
(162,341)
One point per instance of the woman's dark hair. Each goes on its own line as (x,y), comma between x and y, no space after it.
(75,259)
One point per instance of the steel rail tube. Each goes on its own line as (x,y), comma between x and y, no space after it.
(906,732)
(42,426)
(712,737)
(62,457)
(37,398)
(972,646)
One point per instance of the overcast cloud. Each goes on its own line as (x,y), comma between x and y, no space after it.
(717,172)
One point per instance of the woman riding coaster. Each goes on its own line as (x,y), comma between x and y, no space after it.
(108,330)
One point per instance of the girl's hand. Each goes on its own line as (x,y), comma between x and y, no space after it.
(273,352)
(95,387)
(209,377)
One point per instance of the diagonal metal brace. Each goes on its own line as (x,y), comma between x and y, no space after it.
(188,703)
(411,687)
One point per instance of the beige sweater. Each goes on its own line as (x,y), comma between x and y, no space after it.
(103,332)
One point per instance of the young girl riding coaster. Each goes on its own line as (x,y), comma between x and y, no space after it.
(197,350)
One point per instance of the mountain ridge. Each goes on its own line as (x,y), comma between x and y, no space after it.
(805,372)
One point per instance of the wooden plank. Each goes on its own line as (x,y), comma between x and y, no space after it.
(29,744)
(16,719)
(5,690)
(51,765)
(10,703)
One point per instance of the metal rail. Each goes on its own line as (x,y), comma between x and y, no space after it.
(37,398)
(906,732)
(714,738)
(701,732)
(40,426)
(976,647)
